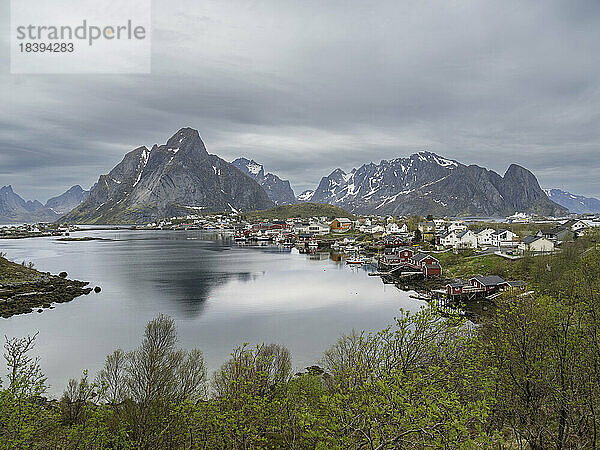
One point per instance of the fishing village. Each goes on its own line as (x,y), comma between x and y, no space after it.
(450,263)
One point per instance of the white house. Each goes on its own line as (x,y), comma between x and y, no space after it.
(457,226)
(393,228)
(318,228)
(459,239)
(577,226)
(299,228)
(467,239)
(504,238)
(373,229)
(484,237)
(537,244)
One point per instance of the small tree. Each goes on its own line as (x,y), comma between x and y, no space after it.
(418,236)
(145,385)
(25,376)
(22,419)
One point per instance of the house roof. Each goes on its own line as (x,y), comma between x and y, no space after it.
(462,233)
(403,249)
(530,239)
(557,230)
(421,256)
(433,266)
(456,284)
(490,280)
(343,220)
(570,223)
(518,283)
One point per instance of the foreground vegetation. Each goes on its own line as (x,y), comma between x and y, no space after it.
(528,377)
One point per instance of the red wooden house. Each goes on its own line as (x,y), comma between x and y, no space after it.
(422,259)
(455,288)
(489,284)
(432,270)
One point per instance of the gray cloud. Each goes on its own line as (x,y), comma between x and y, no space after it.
(306,86)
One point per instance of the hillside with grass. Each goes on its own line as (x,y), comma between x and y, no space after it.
(302,210)
(11,272)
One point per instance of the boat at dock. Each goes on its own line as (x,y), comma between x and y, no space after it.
(356,260)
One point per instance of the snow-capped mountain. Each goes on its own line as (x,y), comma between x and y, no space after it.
(577,204)
(425,183)
(68,200)
(169,180)
(306,195)
(13,209)
(278,190)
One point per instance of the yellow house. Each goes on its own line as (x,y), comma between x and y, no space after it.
(341,225)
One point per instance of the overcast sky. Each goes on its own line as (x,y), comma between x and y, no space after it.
(307,86)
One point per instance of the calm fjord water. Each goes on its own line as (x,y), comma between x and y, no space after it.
(220,295)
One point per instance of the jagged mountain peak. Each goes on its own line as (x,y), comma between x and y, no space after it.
(249,166)
(14,209)
(278,190)
(306,195)
(177,178)
(425,182)
(186,139)
(68,200)
(75,188)
(517,170)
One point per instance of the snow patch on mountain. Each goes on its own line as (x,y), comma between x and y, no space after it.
(577,204)
(278,190)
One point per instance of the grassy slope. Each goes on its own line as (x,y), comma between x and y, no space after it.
(11,272)
(462,266)
(304,210)
(529,268)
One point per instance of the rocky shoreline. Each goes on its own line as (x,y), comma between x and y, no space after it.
(27,296)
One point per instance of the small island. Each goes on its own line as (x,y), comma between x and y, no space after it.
(24,289)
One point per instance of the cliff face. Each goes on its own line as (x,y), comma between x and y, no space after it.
(177,178)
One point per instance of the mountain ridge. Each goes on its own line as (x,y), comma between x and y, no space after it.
(278,190)
(68,200)
(176,178)
(577,204)
(14,209)
(426,183)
